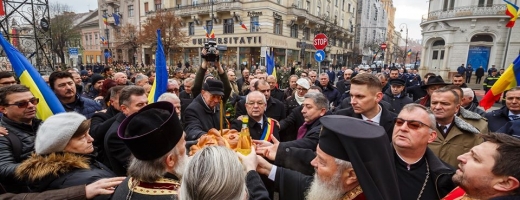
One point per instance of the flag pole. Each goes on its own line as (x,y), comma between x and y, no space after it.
(507,44)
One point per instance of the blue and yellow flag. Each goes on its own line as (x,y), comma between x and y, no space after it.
(160,84)
(28,76)
(271,69)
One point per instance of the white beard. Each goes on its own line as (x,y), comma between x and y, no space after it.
(330,190)
(180,166)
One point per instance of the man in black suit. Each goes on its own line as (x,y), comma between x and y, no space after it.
(365,93)
(344,84)
(275,108)
(243,79)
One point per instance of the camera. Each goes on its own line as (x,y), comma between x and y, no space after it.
(211,50)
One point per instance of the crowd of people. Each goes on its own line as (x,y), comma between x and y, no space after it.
(357,134)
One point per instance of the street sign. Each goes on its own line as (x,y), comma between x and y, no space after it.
(383,46)
(320,41)
(73,52)
(107,53)
(319,55)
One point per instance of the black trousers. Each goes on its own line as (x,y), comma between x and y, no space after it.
(479,78)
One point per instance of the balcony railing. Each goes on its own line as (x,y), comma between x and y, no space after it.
(494,10)
(201,8)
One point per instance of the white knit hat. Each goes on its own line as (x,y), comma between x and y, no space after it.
(55,132)
(304,83)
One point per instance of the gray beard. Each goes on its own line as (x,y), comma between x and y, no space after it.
(180,167)
(329,190)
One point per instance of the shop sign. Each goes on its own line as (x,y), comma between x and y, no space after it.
(231,40)
(253,13)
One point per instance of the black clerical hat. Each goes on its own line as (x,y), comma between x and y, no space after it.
(151,132)
(366,145)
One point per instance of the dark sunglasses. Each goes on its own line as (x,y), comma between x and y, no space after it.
(412,124)
(24,104)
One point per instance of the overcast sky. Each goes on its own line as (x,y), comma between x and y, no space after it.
(409,12)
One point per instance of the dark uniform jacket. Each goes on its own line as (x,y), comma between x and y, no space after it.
(275,109)
(61,170)
(489,82)
(8,164)
(397,102)
(254,127)
(386,121)
(85,106)
(497,118)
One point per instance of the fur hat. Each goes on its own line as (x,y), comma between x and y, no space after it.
(55,132)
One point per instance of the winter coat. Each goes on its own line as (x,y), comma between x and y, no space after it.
(199,118)
(84,106)
(461,70)
(474,119)
(289,104)
(497,118)
(416,92)
(8,164)
(473,107)
(332,94)
(461,137)
(343,86)
(61,170)
(70,193)
(397,102)
(479,72)
(277,94)
(100,123)
(116,152)
(91,93)
(290,125)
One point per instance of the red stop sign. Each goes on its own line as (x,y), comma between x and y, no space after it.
(320,41)
(383,46)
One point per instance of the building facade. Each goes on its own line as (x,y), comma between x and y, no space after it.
(90,39)
(388,5)
(127,10)
(371,31)
(285,28)
(466,32)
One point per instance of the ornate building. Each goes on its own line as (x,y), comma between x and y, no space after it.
(371,30)
(466,32)
(287,27)
(388,5)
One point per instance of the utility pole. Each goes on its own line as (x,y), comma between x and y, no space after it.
(406,41)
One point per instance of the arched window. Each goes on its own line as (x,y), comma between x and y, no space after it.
(438,43)
(482,38)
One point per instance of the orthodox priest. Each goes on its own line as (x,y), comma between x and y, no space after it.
(350,164)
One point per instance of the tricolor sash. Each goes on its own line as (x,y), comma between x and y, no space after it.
(456,194)
(268,130)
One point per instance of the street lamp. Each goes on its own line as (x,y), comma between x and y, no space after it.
(406,41)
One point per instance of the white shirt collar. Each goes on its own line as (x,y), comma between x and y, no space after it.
(510,113)
(376,118)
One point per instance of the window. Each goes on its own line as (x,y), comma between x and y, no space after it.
(294,31)
(307,33)
(130,10)
(279,1)
(191,28)
(375,15)
(255,25)
(116,10)
(145,6)
(105,12)
(209,26)
(487,3)
(337,3)
(86,39)
(448,5)
(308,5)
(194,2)
(278,26)
(435,55)
(348,8)
(157,5)
(90,39)
(318,11)
(229,26)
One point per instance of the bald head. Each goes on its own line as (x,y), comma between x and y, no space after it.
(120,78)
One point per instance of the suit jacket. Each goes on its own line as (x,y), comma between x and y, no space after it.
(290,125)
(275,109)
(254,128)
(386,121)
(116,150)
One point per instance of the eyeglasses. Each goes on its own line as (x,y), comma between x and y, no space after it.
(252,103)
(173,90)
(412,124)
(24,104)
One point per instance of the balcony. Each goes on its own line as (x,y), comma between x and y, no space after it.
(116,2)
(302,13)
(205,8)
(468,11)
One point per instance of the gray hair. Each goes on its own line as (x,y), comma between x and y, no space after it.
(214,172)
(319,99)
(324,74)
(140,77)
(149,170)
(168,95)
(188,80)
(342,164)
(258,93)
(468,92)
(414,106)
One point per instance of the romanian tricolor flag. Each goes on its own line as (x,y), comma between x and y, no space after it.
(29,76)
(243,25)
(271,69)
(506,81)
(105,19)
(2,11)
(409,52)
(103,40)
(211,33)
(160,83)
(267,134)
(205,31)
(511,11)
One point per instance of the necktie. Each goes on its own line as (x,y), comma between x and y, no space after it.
(514,117)
(442,129)
(260,124)
(302,130)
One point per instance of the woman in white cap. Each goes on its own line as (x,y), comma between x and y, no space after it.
(63,155)
(302,86)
